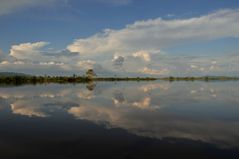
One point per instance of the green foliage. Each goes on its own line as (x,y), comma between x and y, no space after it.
(204,78)
(90,74)
(91,77)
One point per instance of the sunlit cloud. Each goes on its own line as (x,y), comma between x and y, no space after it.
(28,51)
(155,34)
(144,55)
(150,71)
(88,64)
(118,61)
(134,49)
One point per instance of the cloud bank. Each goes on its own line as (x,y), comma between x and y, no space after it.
(155,34)
(137,49)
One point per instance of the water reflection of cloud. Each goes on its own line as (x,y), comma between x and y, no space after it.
(130,106)
(152,86)
(85,94)
(141,101)
(160,124)
(47,95)
(27,109)
(204,91)
(95,113)
(118,97)
(144,104)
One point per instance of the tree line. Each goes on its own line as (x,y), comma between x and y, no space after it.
(89,76)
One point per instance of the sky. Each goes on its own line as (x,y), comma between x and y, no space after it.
(120,37)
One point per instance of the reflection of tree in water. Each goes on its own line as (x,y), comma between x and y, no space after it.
(91,86)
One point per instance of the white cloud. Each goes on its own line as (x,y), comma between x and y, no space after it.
(10,6)
(37,58)
(136,49)
(118,61)
(150,71)
(193,66)
(155,34)
(143,55)
(28,51)
(37,53)
(144,40)
(88,64)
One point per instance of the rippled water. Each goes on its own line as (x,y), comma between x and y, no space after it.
(120,120)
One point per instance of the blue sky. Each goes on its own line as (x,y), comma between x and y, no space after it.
(79,18)
(86,29)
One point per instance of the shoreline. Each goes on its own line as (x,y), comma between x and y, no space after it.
(18,80)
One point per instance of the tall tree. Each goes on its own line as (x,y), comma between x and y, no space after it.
(90,73)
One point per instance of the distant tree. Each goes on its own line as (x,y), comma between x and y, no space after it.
(90,73)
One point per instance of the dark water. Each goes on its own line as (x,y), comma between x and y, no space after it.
(120,120)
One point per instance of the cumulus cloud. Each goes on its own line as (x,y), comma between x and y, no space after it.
(155,34)
(35,53)
(118,61)
(88,64)
(143,55)
(150,71)
(27,51)
(137,47)
(9,6)
(144,40)
(37,58)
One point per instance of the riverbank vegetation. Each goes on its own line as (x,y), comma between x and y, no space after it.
(64,79)
(203,78)
(18,79)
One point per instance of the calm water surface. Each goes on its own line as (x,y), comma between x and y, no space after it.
(120,120)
